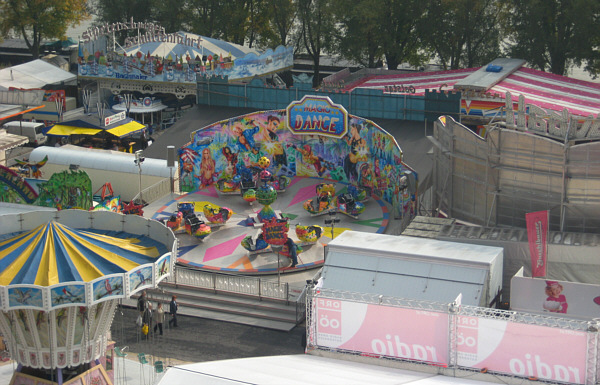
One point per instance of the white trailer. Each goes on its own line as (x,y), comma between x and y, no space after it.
(103,166)
(413,268)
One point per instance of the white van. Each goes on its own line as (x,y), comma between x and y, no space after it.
(32,130)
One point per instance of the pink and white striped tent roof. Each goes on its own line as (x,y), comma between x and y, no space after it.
(545,90)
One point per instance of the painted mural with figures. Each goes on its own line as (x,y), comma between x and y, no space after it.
(311,138)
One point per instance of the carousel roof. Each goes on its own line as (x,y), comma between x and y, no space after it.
(54,253)
(207,46)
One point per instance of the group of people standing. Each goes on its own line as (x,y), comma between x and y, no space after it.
(149,317)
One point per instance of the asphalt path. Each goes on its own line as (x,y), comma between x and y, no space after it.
(200,339)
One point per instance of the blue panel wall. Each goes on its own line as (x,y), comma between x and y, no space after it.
(368,103)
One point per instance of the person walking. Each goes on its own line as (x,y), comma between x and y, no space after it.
(141,303)
(160,318)
(173,311)
(147,320)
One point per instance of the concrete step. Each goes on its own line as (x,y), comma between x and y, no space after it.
(270,314)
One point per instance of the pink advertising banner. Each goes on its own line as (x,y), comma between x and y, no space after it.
(382,330)
(537,234)
(555,298)
(522,350)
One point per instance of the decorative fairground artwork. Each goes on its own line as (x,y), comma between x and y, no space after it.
(24,296)
(140,279)
(107,287)
(67,190)
(67,295)
(164,267)
(156,56)
(14,188)
(226,154)
(64,190)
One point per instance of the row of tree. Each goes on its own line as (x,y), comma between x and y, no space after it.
(551,35)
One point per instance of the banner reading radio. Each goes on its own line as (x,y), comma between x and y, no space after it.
(537,235)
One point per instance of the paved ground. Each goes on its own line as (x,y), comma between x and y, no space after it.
(198,339)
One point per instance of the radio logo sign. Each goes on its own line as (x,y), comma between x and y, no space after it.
(317,115)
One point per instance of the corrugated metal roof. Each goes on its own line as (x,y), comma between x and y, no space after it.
(416,248)
(403,279)
(408,267)
(543,89)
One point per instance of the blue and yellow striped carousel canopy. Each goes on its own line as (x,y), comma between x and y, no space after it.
(53,253)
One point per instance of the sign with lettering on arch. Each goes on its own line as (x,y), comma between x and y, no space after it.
(317,115)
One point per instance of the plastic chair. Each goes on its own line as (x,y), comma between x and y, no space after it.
(143,361)
(159,367)
(121,369)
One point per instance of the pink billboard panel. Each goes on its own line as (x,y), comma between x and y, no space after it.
(522,350)
(382,330)
(554,298)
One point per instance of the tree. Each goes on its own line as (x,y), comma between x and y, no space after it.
(552,35)
(171,14)
(37,20)
(276,22)
(114,11)
(317,29)
(462,33)
(204,17)
(236,21)
(358,37)
(398,21)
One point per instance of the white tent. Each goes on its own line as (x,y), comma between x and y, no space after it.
(204,46)
(300,369)
(34,74)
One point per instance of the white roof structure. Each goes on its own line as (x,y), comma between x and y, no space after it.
(34,74)
(8,141)
(206,46)
(300,369)
(413,268)
(139,108)
(99,160)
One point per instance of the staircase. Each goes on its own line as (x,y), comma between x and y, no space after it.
(228,307)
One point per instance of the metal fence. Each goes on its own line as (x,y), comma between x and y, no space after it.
(363,102)
(470,330)
(154,192)
(257,287)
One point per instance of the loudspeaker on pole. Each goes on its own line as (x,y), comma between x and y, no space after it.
(170,156)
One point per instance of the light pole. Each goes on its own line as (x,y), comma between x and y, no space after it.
(277,249)
(333,219)
(139,159)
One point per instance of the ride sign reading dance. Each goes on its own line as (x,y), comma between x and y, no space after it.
(317,115)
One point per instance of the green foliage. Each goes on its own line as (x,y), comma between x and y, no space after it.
(36,20)
(358,39)
(462,33)
(317,30)
(67,189)
(552,35)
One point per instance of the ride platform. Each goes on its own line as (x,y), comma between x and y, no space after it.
(223,251)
